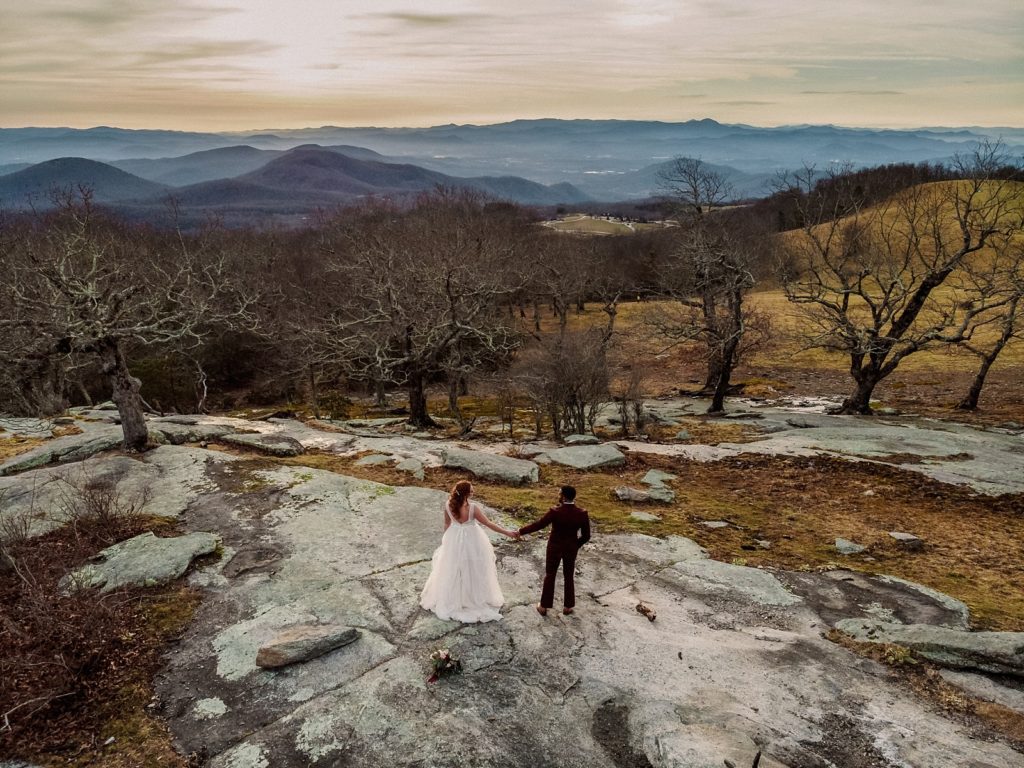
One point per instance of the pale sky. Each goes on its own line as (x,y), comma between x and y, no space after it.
(251,64)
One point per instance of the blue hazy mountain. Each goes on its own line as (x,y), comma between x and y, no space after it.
(34,186)
(607,159)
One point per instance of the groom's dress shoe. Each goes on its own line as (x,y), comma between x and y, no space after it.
(567,611)
(542,610)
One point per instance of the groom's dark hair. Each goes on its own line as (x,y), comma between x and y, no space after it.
(568,493)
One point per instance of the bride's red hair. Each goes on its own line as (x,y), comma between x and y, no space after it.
(459,495)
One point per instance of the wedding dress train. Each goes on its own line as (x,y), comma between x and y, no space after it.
(463,582)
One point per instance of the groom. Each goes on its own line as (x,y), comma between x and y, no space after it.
(570,530)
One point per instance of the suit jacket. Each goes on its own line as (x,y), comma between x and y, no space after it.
(570,526)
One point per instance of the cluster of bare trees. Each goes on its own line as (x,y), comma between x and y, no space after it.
(80,291)
(441,291)
(455,288)
(935,264)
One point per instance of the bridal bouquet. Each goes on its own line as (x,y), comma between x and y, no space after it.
(444,663)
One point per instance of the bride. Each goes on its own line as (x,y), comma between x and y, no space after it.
(463,581)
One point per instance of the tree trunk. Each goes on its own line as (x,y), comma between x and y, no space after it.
(380,396)
(125,394)
(418,415)
(86,397)
(970,401)
(727,363)
(313,393)
(453,398)
(714,371)
(860,400)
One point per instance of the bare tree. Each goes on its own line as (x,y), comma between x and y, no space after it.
(420,293)
(994,280)
(870,278)
(82,285)
(708,274)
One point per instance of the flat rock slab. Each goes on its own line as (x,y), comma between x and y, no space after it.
(997,652)
(181,432)
(586,457)
(273,444)
(374,423)
(714,524)
(302,643)
(985,688)
(713,576)
(95,439)
(713,677)
(27,427)
(842,594)
(490,466)
(656,477)
(375,460)
(142,561)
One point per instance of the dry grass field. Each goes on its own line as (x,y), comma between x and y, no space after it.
(930,382)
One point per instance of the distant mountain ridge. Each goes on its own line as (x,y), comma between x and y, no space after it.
(282,182)
(34,185)
(592,155)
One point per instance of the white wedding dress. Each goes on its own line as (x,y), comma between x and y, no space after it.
(463,582)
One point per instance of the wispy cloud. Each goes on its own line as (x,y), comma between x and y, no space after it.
(854,93)
(211,63)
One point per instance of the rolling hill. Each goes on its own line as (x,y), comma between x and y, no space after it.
(34,185)
(312,176)
(220,163)
(592,155)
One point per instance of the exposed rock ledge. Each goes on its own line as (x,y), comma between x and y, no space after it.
(735,661)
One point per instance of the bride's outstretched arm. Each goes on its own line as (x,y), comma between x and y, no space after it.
(484,520)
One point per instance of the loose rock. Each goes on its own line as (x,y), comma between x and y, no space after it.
(625,493)
(581,440)
(302,643)
(645,517)
(847,547)
(588,456)
(908,540)
(489,466)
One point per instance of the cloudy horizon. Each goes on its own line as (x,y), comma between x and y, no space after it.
(221,66)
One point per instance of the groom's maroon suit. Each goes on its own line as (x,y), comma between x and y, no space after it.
(570,530)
